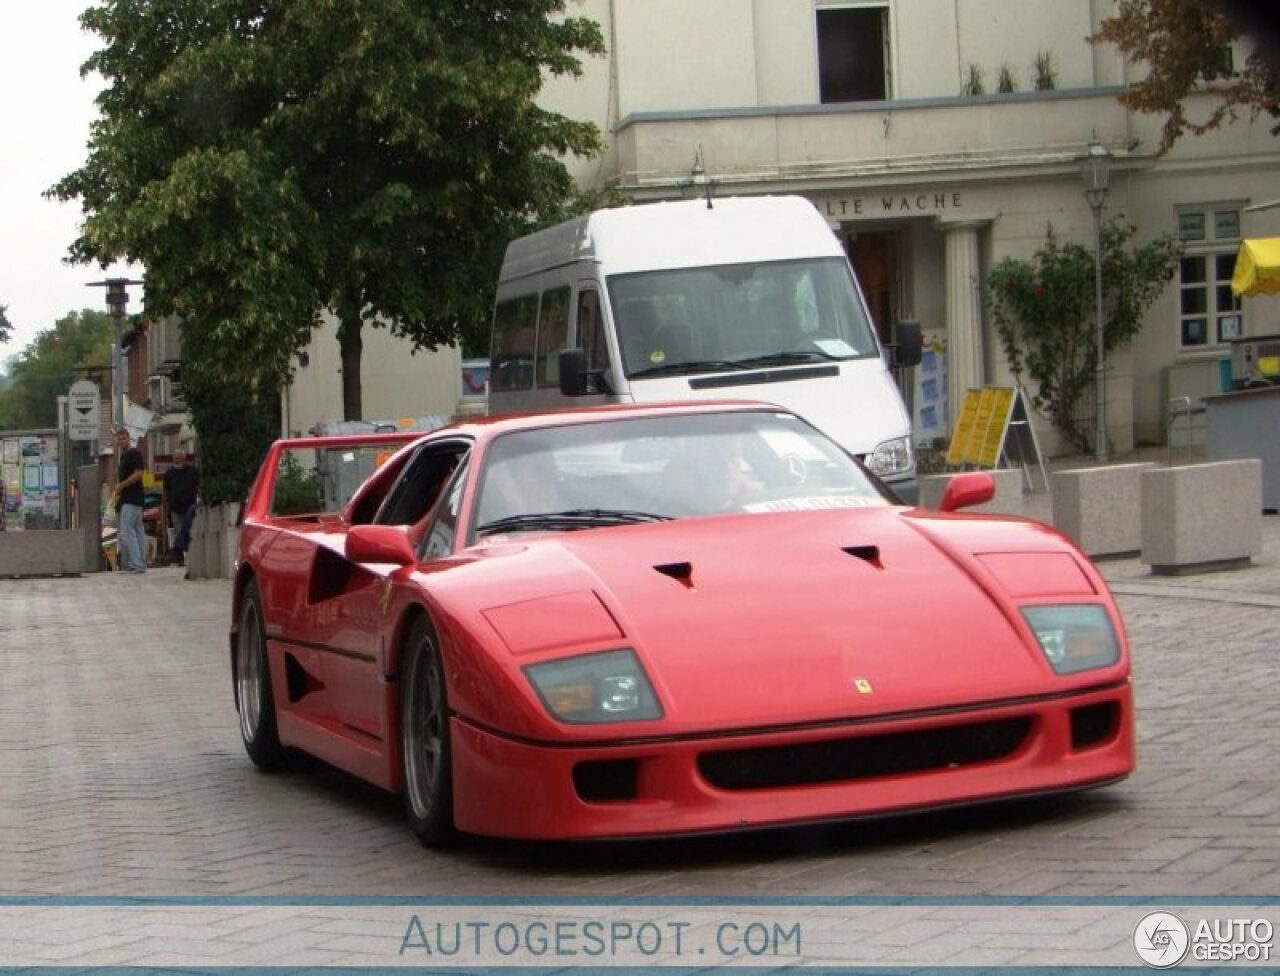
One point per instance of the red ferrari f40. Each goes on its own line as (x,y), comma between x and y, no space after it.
(635,621)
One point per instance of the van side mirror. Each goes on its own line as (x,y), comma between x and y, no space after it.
(576,380)
(573,372)
(908,344)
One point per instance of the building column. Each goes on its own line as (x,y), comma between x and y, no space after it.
(964,312)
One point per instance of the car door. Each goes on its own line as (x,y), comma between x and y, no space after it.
(355,606)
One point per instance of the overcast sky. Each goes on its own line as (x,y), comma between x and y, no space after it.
(45,119)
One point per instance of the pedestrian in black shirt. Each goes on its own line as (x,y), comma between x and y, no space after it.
(127,498)
(180,487)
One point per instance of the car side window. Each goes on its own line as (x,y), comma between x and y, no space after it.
(421,484)
(370,496)
(444,527)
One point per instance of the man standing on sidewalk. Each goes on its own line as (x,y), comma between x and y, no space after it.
(127,499)
(181,482)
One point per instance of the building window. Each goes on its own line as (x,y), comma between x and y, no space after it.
(1208,314)
(853,53)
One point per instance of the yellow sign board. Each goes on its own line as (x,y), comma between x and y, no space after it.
(963,432)
(979,434)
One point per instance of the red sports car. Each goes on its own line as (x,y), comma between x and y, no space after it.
(630,621)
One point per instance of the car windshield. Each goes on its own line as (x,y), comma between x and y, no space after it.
(738,316)
(656,468)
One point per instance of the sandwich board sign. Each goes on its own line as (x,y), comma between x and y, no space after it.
(84,411)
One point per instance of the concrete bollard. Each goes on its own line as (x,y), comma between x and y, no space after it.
(197,552)
(1100,509)
(1199,518)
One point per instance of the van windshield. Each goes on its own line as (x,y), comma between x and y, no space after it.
(739,316)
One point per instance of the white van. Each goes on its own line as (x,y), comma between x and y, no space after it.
(742,298)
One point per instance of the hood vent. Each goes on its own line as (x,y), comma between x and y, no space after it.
(868,554)
(680,572)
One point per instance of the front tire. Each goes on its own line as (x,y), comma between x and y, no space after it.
(425,739)
(254,700)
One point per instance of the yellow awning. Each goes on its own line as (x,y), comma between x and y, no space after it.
(1257,267)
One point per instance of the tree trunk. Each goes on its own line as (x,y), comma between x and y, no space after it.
(352,346)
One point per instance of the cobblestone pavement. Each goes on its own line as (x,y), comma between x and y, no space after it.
(121,773)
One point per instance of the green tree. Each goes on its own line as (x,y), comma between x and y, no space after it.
(236,414)
(1045,313)
(6,329)
(78,345)
(1185,46)
(267,159)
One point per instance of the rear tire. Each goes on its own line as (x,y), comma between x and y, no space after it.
(425,739)
(254,700)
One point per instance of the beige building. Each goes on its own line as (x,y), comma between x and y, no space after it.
(396,384)
(857,106)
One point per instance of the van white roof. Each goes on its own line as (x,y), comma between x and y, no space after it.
(678,234)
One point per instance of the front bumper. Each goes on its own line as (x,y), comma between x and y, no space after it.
(736,781)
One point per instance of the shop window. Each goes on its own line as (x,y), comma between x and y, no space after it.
(853,53)
(1208,313)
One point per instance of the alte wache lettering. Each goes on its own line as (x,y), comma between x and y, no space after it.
(892,203)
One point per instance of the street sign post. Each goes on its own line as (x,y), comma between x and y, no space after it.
(84,411)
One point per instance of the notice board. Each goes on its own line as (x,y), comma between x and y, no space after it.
(980,431)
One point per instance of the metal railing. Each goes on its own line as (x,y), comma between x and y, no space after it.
(1182,407)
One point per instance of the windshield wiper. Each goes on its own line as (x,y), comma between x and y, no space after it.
(786,358)
(577,518)
(679,369)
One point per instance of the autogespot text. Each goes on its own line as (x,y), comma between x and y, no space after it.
(599,939)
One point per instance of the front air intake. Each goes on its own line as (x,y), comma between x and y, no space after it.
(864,757)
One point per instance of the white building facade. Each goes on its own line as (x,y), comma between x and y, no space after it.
(857,105)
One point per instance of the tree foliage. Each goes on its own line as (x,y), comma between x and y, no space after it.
(1045,313)
(1185,47)
(77,347)
(269,159)
(6,329)
(236,425)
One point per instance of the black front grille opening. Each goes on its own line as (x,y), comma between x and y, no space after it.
(606,780)
(1093,725)
(864,757)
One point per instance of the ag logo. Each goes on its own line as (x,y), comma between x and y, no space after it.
(1161,940)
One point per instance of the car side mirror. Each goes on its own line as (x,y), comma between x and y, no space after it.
(573,372)
(380,544)
(967,489)
(908,344)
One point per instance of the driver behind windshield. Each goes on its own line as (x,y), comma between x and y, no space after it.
(526,483)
